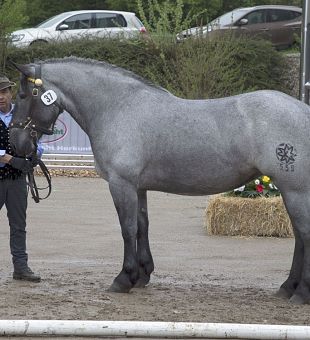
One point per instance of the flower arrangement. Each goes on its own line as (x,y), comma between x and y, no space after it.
(260,187)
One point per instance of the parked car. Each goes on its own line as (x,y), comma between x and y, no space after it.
(76,24)
(280,24)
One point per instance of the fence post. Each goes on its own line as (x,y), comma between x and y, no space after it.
(304,87)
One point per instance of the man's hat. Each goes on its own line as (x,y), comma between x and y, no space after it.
(5,82)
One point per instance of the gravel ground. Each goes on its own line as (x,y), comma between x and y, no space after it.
(74,242)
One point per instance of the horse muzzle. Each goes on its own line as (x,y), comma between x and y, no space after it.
(21,142)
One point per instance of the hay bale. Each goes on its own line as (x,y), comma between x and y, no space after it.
(237,216)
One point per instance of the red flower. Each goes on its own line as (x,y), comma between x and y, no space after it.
(259,188)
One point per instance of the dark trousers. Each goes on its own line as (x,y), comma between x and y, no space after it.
(13,193)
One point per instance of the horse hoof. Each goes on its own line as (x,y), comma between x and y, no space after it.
(297,300)
(117,288)
(142,281)
(283,293)
(141,284)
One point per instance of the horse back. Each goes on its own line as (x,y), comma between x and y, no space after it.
(207,146)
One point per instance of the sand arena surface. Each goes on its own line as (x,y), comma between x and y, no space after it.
(74,242)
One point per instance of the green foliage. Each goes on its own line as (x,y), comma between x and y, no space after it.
(121,5)
(194,69)
(12,17)
(198,68)
(165,17)
(203,10)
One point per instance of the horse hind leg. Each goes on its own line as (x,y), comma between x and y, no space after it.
(145,260)
(297,286)
(288,288)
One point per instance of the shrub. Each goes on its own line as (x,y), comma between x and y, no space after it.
(195,68)
(165,17)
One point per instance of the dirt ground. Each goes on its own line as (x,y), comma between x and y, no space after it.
(74,242)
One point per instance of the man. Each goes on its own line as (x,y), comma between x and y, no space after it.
(13,187)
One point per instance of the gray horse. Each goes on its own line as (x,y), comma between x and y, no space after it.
(144,138)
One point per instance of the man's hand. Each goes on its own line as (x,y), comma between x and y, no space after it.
(21,164)
(34,160)
(5,158)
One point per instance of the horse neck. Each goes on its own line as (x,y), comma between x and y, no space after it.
(85,88)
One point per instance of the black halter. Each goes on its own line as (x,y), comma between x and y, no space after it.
(34,129)
(29,123)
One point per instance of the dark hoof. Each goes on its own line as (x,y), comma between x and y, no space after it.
(117,288)
(283,293)
(141,283)
(143,279)
(297,300)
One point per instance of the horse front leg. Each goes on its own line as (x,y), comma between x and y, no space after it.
(146,264)
(126,203)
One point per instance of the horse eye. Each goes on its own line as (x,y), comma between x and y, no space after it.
(22,95)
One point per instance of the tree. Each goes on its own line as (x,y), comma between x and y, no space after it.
(121,5)
(12,17)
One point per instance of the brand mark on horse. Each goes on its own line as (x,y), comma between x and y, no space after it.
(286,154)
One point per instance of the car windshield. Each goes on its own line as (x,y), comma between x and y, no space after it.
(229,18)
(52,21)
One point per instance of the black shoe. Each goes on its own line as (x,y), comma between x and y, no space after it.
(26,274)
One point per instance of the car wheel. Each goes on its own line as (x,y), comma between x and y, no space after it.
(38,43)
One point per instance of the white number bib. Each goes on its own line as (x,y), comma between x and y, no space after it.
(49,97)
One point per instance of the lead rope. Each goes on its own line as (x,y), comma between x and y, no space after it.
(32,185)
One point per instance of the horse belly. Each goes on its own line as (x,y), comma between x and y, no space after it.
(205,179)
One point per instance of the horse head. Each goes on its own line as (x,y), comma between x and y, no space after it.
(36,110)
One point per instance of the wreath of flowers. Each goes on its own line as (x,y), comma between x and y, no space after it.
(260,187)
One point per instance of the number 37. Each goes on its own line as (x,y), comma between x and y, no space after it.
(49,97)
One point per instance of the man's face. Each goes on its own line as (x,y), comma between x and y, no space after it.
(5,100)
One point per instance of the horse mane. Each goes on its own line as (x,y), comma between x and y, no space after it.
(106,65)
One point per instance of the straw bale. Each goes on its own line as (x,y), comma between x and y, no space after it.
(238,216)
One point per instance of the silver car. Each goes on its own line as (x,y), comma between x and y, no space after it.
(77,24)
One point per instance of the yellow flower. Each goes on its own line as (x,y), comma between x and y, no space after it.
(266,179)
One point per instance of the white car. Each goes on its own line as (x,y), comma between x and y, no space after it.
(77,24)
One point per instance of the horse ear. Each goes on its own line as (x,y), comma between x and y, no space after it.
(23,69)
